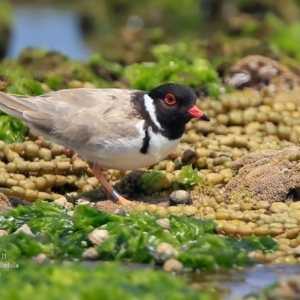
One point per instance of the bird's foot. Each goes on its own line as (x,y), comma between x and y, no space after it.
(120,199)
(124,202)
(110,191)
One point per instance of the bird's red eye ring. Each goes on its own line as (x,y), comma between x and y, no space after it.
(170,99)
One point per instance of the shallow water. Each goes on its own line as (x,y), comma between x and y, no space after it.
(232,284)
(47,27)
(239,283)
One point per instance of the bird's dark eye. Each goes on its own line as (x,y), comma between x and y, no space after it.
(170,99)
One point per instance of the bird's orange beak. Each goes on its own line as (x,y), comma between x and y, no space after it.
(196,112)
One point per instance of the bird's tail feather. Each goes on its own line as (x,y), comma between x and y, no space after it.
(14,105)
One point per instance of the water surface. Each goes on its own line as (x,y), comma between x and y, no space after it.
(47,27)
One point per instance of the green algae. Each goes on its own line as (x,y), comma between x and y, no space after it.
(133,238)
(38,66)
(180,63)
(286,37)
(151,182)
(187,178)
(103,67)
(83,73)
(12,130)
(19,80)
(210,252)
(99,281)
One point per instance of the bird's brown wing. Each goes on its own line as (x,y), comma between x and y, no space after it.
(76,116)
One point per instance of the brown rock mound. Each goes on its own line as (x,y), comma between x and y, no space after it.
(258,72)
(266,175)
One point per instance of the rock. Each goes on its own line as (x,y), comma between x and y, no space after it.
(120,212)
(266,175)
(98,236)
(25,229)
(3,232)
(62,201)
(164,223)
(173,266)
(163,252)
(180,197)
(41,258)
(90,254)
(187,156)
(257,72)
(83,201)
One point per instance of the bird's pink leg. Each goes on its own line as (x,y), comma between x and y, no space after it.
(109,189)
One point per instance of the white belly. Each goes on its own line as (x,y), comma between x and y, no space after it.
(124,154)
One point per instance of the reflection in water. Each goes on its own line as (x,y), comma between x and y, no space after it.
(49,28)
(259,277)
(239,282)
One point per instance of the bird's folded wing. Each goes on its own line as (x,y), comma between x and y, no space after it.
(79,115)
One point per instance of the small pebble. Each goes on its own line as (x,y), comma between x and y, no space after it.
(120,212)
(278,207)
(62,201)
(25,229)
(40,258)
(187,156)
(163,252)
(98,236)
(164,223)
(82,201)
(180,197)
(189,210)
(90,254)
(3,232)
(173,266)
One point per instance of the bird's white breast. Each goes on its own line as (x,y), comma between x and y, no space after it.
(124,153)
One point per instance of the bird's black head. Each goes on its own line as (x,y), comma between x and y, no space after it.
(175,106)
